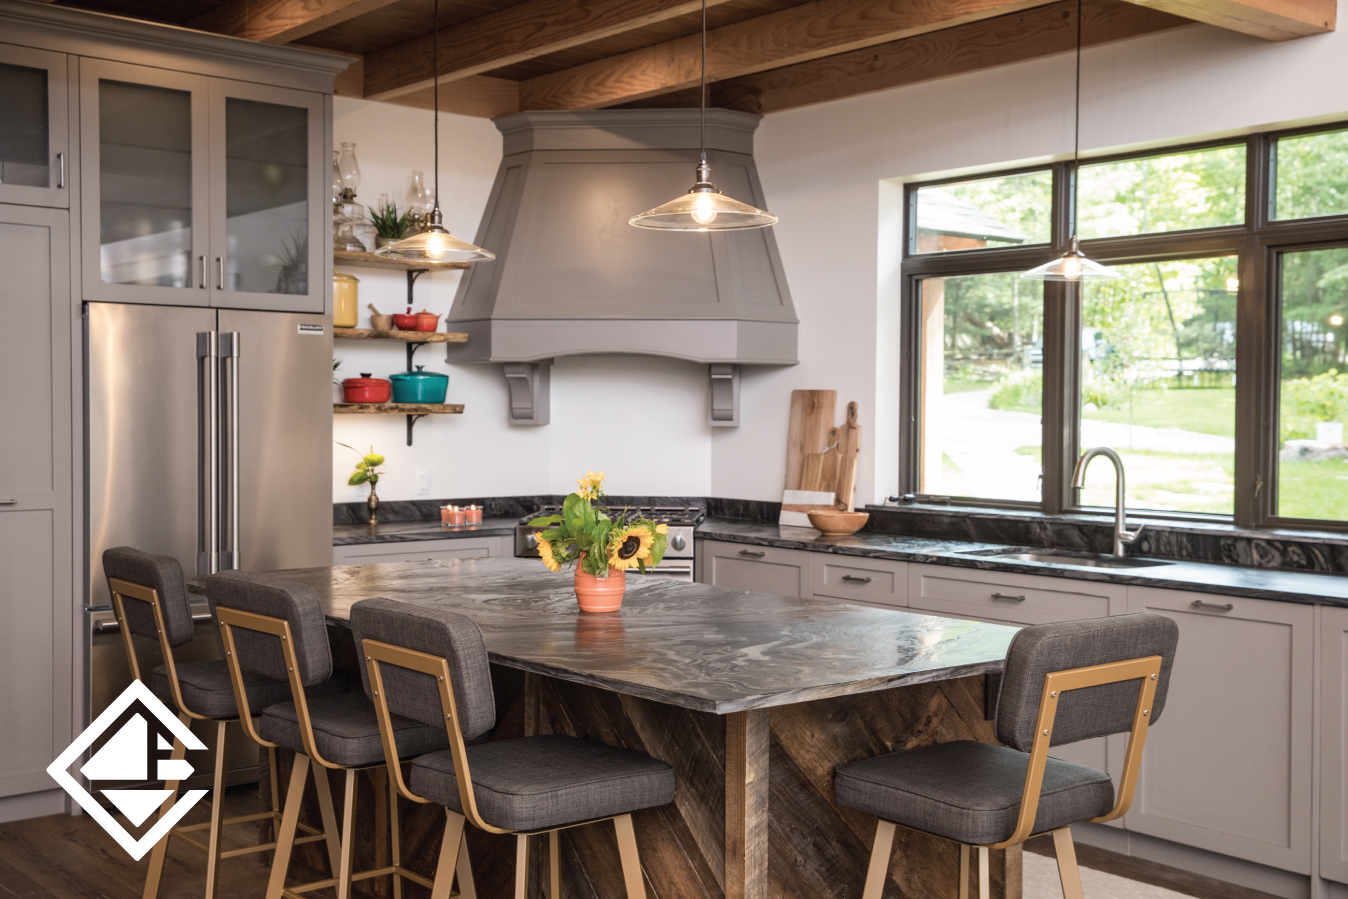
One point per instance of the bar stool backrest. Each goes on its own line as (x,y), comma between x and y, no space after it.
(161,574)
(1090,712)
(448,635)
(289,601)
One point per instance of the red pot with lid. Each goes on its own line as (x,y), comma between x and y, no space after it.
(366,389)
(427,321)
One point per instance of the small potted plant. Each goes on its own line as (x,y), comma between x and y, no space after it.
(389,224)
(367,472)
(601,547)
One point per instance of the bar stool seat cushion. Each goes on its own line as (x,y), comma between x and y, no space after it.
(346,731)
(207,691)
(538,783)
(969,792)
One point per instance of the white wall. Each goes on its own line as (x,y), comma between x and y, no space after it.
(832,173)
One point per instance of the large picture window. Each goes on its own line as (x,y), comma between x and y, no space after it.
(1216,364)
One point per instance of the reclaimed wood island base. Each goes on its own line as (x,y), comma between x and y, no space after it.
(753,699)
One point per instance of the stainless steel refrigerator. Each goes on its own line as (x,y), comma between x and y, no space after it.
(210,440)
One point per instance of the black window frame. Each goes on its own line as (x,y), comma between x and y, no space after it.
(1256,243)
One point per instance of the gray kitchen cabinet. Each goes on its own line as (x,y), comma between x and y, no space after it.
(859,579)
(1333,745)
(201,191)
(765,569)
(34,129)
(424,550)
(37,608)
(1228,766)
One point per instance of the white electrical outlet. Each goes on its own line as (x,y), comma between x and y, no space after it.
(423,482)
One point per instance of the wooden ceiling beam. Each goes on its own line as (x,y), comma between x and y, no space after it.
(524,31)
(787,37)
(281,21)
(1273,20)
(1024,35)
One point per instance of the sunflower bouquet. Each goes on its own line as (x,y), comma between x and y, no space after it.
(586,533)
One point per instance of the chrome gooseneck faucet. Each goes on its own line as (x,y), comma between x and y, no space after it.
(1122,536)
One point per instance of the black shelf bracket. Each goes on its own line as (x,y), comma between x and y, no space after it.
(412,275)
(411,420)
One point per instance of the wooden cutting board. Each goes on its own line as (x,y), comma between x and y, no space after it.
(849,453)
(820,471)
(811,418)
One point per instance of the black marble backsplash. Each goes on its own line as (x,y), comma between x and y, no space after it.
(1191,542)
(519,506)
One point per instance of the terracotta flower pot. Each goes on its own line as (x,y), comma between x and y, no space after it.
(600,594)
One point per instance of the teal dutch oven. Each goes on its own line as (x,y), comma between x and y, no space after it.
(419,386)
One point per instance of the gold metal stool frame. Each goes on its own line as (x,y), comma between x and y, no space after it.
(454,845)
(217,822)
(285,837)
(1055,683)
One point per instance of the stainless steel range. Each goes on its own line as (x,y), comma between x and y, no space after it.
(682,520)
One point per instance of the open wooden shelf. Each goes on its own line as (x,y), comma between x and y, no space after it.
(370,260)
(399,408)
(407,336)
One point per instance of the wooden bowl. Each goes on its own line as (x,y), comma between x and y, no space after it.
(838,524)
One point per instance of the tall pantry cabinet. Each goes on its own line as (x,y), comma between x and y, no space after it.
(138,164)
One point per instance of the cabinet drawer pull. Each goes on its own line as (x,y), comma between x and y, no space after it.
(1008,597)
(1215,606)
(61,163)
(8,502)
(855,579)
(751,554)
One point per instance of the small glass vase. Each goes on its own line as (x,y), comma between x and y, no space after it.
(420,201)
(600,594)
(372,501)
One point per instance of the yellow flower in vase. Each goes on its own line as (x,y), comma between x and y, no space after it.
(545,550)
(662,529)
(630,548)
(591,486)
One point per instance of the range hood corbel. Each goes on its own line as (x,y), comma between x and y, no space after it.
(571,276)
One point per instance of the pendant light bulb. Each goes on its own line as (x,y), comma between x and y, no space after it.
(703,213)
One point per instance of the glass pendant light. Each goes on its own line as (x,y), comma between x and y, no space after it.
(1073,265)
(703,208)
(435,244)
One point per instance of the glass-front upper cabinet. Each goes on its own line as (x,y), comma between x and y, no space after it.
(145,178)
(33,127)
(268,233)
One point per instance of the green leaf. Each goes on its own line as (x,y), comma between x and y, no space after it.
(584,541)
(358,478)
(573,513)
(545,521)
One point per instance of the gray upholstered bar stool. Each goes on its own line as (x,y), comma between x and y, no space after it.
(276,628)
(1063,682)
(149,598)
(431,665)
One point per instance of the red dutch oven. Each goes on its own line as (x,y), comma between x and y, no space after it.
(366,389)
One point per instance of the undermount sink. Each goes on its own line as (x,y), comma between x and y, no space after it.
(1065,557)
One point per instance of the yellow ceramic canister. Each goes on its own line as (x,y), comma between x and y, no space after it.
(344,289)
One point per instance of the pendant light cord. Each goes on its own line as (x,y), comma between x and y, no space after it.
(1076,126)
(702,92)
(435,94)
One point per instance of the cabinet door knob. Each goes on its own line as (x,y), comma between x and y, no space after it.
(753,555)
(856,580)
(1009,597)
(1215,606)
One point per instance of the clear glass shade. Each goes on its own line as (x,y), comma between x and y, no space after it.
(435,244)
(704,208)
(1071,266)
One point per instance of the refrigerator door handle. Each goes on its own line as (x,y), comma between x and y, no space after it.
(208,453)
(229,363)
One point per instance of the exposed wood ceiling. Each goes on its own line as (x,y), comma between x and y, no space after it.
(500,56)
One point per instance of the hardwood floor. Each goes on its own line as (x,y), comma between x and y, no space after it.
(1144,871)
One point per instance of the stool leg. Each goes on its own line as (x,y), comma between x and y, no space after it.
(984,881)
(330,831)
(521,866)
(627,850)
(964,871)
(555,864)
(348,833)
(395,839)
(160,849)
(1067,863)
(879,866)
(290,819)
(449,852)
(467,888)
(217,813)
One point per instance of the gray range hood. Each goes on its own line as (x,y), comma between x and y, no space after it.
(572,277)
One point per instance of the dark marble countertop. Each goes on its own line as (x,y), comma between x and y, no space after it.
(706,648)
(1204,577)
(413,531)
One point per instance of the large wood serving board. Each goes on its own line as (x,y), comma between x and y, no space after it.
(811,418)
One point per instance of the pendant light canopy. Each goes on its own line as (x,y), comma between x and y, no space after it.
(703,208)
(435,244)
(1073,265)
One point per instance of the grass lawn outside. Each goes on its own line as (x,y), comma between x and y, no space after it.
(1313,489)
(1207,411)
